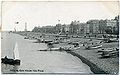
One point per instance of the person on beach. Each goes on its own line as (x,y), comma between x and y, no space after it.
(83,44)
(101,41)
(92,43)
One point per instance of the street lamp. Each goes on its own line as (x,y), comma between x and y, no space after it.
(15,26)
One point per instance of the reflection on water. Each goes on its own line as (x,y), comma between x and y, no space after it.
(9,68)
(33,61)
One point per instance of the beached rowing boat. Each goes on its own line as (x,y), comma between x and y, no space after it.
(93,47)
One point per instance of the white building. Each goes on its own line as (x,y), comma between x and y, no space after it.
(111,23)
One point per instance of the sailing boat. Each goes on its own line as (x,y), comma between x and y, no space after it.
(16,55)
(15,61)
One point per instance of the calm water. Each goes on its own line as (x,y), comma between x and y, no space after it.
(38,61)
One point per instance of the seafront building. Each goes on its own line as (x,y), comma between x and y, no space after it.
(102,26)
(93,26)
(76,27)
(111,22)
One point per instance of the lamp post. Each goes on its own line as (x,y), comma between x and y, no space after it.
(15,26)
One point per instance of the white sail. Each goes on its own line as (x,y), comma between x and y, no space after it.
(16,52)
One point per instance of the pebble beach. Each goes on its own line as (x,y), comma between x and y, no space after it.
(92,58)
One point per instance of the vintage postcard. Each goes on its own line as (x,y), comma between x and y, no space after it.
(54,37)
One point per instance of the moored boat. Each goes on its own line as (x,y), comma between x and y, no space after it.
(15,60)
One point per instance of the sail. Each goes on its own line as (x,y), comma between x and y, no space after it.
(16,52)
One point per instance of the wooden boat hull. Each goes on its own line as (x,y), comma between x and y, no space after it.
(93,47)
(110,53)
(10,61)
(14,61)
(56,49)
(17,62)
(96,47)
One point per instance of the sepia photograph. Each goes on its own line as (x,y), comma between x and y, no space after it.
(59,37)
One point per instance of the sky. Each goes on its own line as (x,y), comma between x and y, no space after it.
(48,13)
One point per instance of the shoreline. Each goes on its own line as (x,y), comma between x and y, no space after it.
(94,68)
(93,59)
